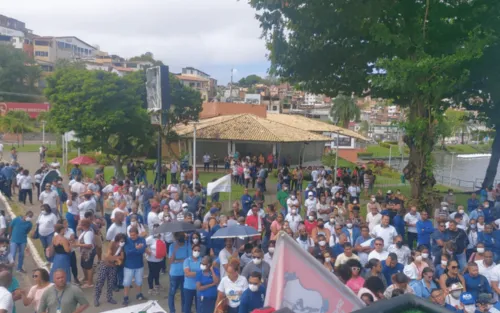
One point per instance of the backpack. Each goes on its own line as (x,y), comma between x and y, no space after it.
(64,196)
(161,249)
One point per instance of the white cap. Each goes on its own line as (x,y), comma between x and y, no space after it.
(389,191)
(310,193)
(184,205)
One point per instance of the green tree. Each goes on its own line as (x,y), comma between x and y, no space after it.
(19,75)
(105,111)
(364,128)
(415,52)
(147,57)
(344,109)
(250,80)
(23,122)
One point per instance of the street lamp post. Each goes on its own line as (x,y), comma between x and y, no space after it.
(43,131)
(337,152)
(390,154)
(451,168)
(194,156)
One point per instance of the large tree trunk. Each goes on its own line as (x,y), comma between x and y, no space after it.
(421,141)
(118,165)
(491,171)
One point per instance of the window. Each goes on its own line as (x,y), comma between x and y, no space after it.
(41,53)
(192,84)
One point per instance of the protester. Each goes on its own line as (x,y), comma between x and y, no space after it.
(253,297)
(41,279)
(63,297)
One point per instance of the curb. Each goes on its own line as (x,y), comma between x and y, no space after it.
(34,252)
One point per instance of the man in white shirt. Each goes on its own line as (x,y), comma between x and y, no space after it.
(50,197)
(403,252)
(88,205)
(175,205)
(293,218)
(373,217)
(153,218)
(335,188)
(118,227)
(292,201)
(314,176)
(379,252)
(311,203)
(122,208)
(6,300)
(110,187)
(373,203)
(411,218)
(354,192)
(385,231)
(488,268)
(79,188)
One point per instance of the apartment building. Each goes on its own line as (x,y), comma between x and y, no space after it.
(47,50)
(200,81)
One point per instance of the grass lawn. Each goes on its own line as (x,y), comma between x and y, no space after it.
(31,147)
(383,152)
(469,149)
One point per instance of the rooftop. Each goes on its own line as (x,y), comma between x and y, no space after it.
(191,78)
(247,127)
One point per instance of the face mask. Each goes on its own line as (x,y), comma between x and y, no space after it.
(292,197)
(480,210)
(472,226)
(486,206)
(469,308)
(121,244)
(373,199)
(445,208)
(328,260)
(258,261)
(451,193)
(461,211)
(349,225)
(196,240)
(449,251)
(322,243)
(444,263)
(311,197)
(418,258)
(332,221)
(456,293)
(203,267)
(110,197)
(253,287)
(480,250)
(196,254)
(425,255)
(3,249)
(399,244)
(28,218)
(311,218)
(271,249)
(294,211)
(321,225)
(133,223)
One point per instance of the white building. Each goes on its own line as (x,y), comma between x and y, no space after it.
(313,100)
(16,37)
(252,98)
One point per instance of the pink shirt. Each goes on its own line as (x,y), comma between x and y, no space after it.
(36,293)
(355,284)
(278,227)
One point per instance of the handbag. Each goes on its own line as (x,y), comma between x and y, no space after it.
(221,306)
(36,234)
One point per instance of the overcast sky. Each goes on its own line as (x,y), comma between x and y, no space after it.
(211,35)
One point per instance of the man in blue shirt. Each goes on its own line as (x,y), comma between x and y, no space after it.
(19,230)
(246,202)
(134,264)
(193,201)
(177,253)
(424,230)
(9,173)
(437,238)
(253,297)
(391,267)
(476,283)
(472,203)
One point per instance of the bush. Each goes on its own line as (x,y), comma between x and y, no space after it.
(392,143)
(365,154)
(54,153)
(385,145)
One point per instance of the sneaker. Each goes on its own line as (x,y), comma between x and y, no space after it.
(125,301)
(96,303)
(140,297)
(112,301)
(153,292)
(116,289)
(159,288)
(22,271)
(163,272)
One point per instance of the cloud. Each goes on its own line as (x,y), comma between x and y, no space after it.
(200,33)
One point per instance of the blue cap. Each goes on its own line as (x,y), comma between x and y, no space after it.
(467,298)
(214,210)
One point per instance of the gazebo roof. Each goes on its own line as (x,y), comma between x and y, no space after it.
(247,127)
(313,125)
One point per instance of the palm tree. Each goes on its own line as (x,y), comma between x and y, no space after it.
(344,110)
(10,124)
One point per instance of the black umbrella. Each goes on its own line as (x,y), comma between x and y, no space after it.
(174,227)
(235,231)
(48,178)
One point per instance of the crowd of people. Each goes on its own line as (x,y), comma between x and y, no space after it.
(109,233)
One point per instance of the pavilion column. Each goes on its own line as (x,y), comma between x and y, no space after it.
(233,148)
(229,144)
(190,150)
(274,149)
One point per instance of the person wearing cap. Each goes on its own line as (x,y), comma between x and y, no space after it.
(213,212)
(441,214)
(467,302)
(484,303)
(399,281)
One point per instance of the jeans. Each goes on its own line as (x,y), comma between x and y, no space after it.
(23,193)
(265,242)
(412,237)
(46,241)
(462,261)
(119,276)
(173,177)
(176,282)
(107,217)
(72,222)
(189,297)
(206,305)
(135,273)
(13,250)
(154,273)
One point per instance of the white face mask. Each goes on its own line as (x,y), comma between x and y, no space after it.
(311,218)
(332,221)
(328,260)
(444,263)
(470,308)
(28,218)
(486,206)
(257,261)
(203,267)
(425,255)
(3,249)
(110,197)
(349,225)
(311,197)
(480,250)
(294,211)
(445,208)
(322,243)
(196,254)
(461,211)
(121,244)
(418,258)
(133,223)
(196,240)
(456,293)
(253,287)
(292,197)
(271,249)
(373,199)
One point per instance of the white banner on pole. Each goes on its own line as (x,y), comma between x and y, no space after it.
(222,184)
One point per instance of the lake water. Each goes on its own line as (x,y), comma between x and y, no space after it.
(465,171)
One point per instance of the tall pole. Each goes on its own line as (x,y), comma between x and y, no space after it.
(451,168)
(231,84)
(43,132)
(158,160)
(390,154)
(337,152)
(194,156)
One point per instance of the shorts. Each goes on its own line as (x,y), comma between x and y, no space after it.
(135,273)
(88,265)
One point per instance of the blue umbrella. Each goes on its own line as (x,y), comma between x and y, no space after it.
(235,231)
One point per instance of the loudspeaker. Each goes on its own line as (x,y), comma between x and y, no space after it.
(158,93)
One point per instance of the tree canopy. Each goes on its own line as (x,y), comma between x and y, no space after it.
(344,110)
(19,75)
(147,57)
(250,80)
(415,52)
